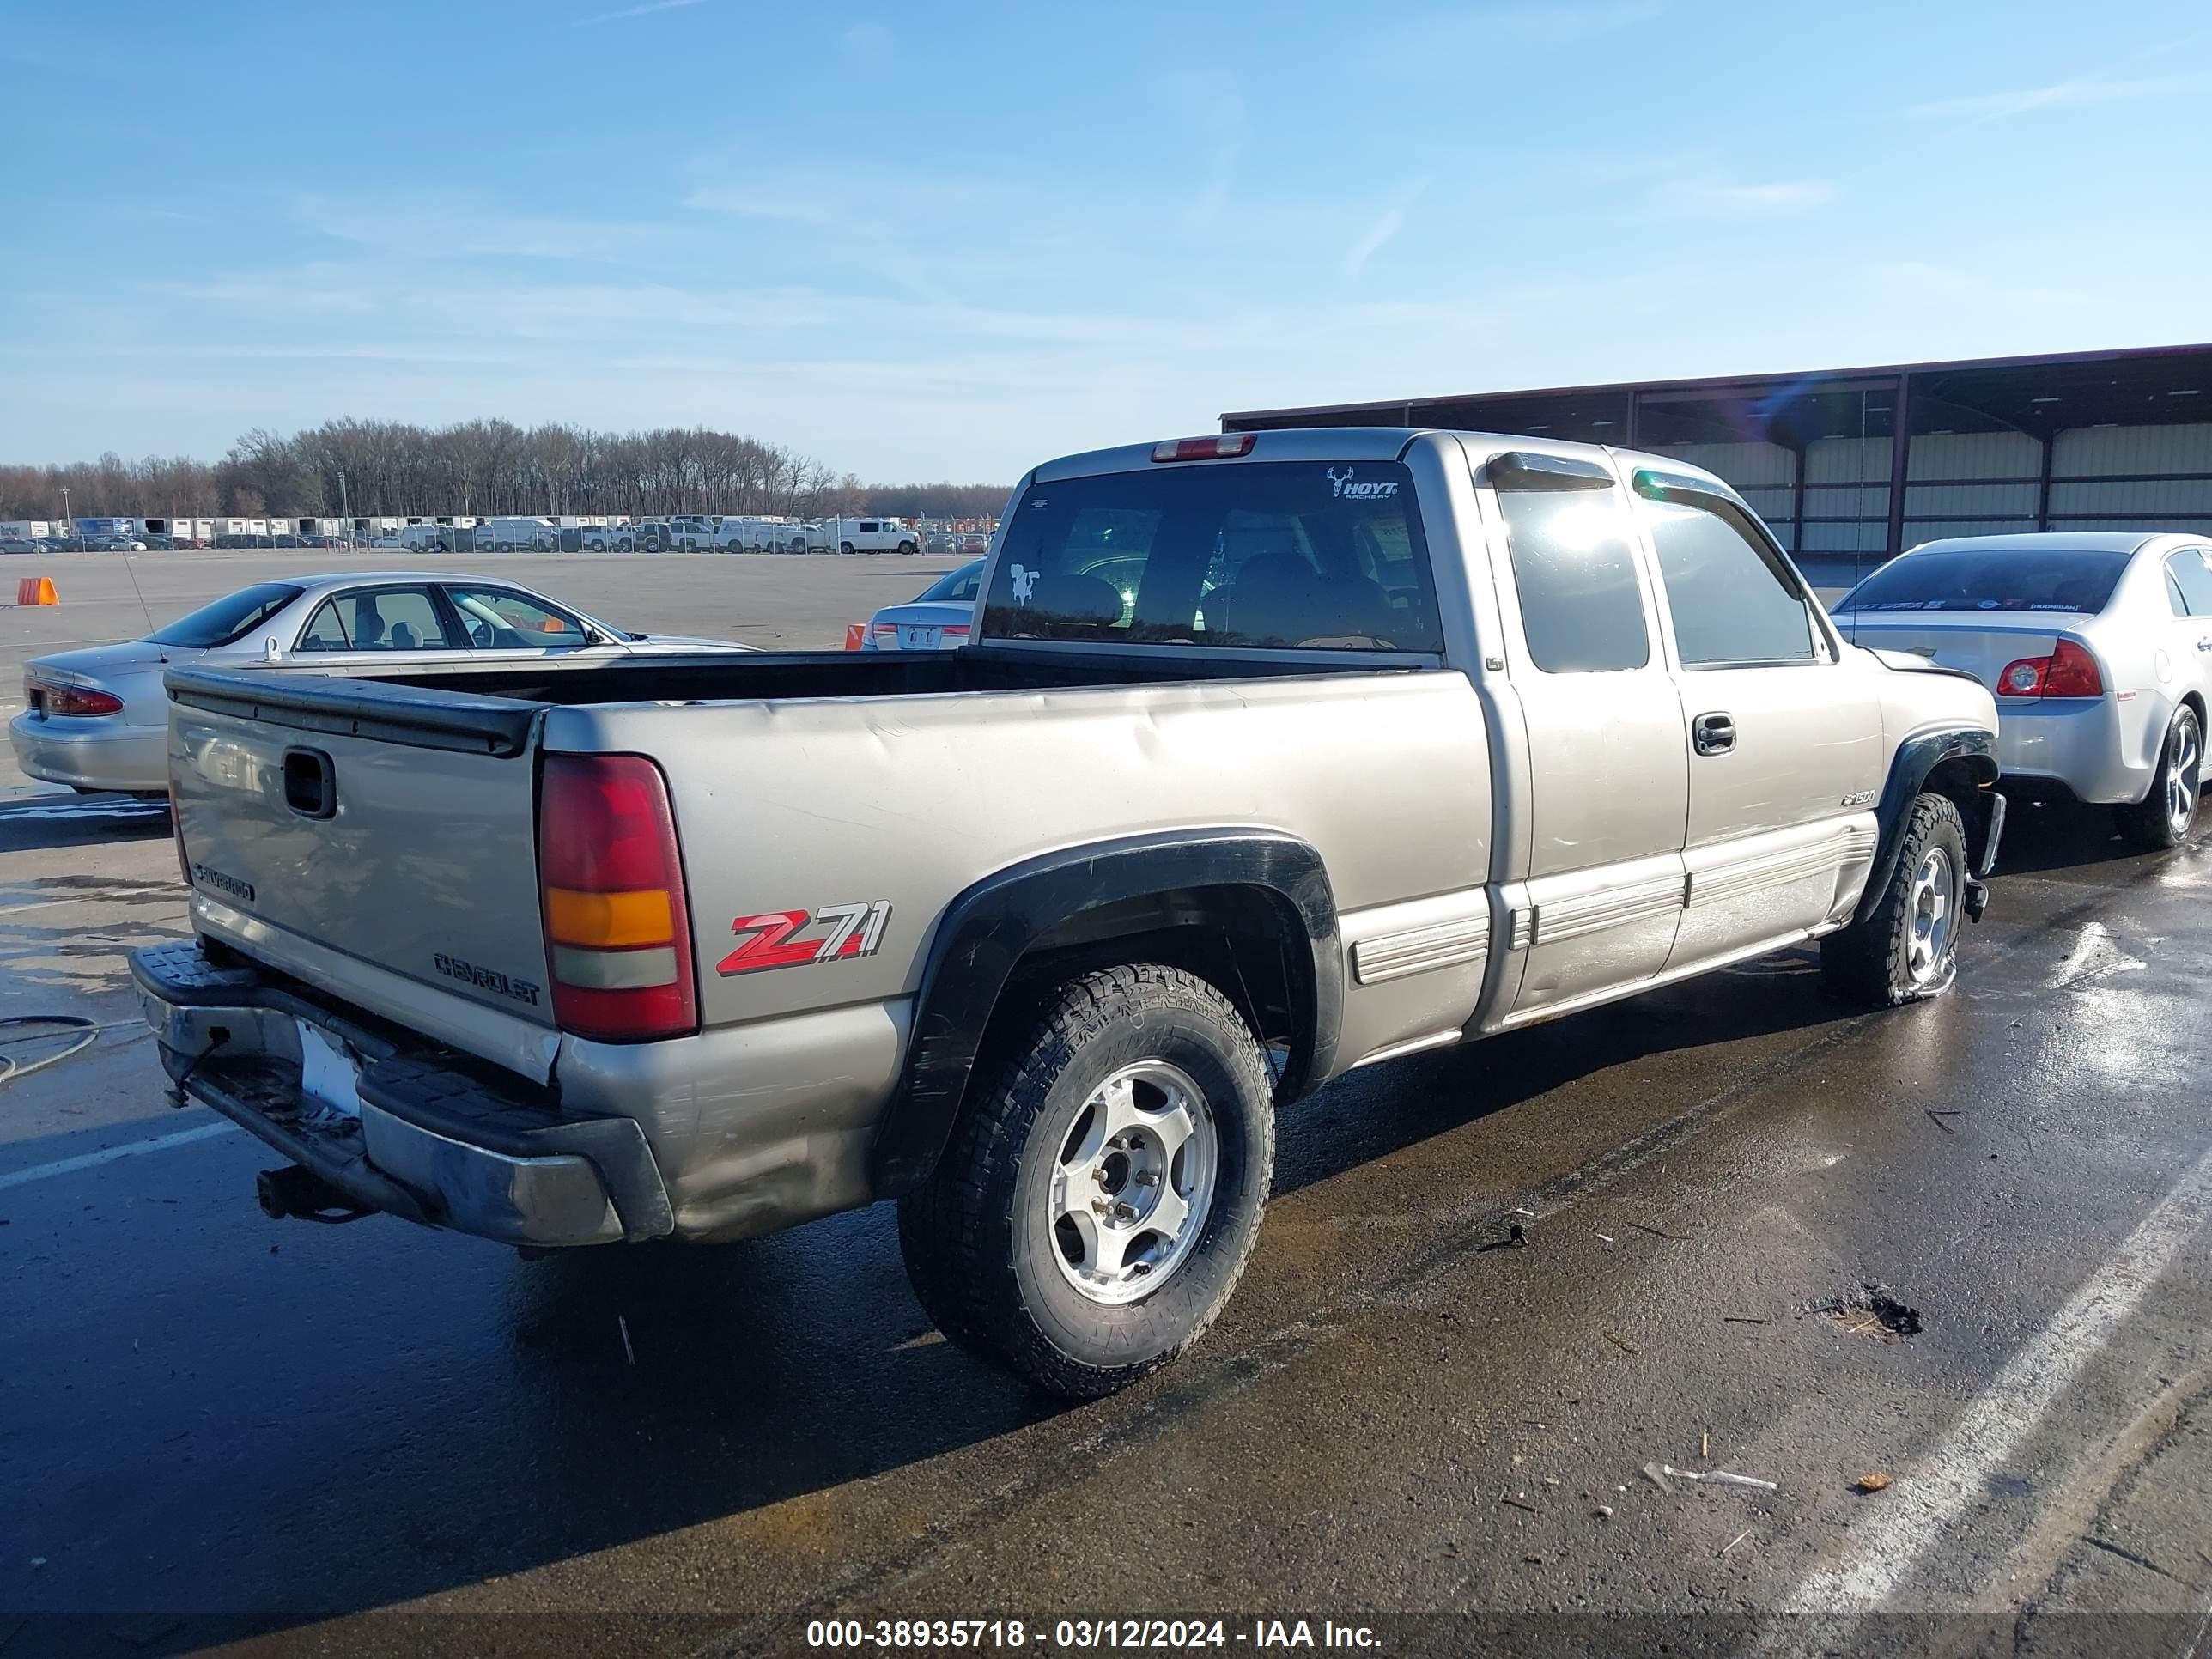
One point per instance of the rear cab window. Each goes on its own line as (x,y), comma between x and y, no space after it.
(2073,580)
(1257,555)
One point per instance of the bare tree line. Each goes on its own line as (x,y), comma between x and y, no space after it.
(484,468)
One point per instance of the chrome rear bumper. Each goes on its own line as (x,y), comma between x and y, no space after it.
(394,1125)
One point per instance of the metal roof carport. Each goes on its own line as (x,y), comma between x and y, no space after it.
(1851,465)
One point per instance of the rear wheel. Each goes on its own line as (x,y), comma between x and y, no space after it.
(1100,1197)
(2163,817)
(1905,950)
(844,547)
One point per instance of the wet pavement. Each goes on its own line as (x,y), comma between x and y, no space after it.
(370,1438)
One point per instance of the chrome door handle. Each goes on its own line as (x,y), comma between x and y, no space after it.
(1713,734)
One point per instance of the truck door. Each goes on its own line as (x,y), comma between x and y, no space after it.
(1784,738)
(1602,894)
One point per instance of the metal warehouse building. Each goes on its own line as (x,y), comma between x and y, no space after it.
(1850,465)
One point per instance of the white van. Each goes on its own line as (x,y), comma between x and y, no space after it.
(517,535)
(425,537)
(761,536)
(874,536)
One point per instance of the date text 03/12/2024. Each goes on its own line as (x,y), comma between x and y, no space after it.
(1088,1635)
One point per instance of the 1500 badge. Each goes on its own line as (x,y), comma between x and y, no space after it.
(850,931)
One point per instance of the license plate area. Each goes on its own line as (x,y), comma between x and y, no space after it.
(921,639)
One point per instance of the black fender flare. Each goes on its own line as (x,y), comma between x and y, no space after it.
(1916,757)
(987,929)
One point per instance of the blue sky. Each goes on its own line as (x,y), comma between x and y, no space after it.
(944,241)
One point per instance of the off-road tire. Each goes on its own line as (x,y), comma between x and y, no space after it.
(976,1238)
(1869,961)
(2148,823)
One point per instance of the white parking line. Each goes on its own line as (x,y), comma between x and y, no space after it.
(109,1155)
(91,808)
(1883,1547)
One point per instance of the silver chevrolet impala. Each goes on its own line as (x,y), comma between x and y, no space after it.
(98,718)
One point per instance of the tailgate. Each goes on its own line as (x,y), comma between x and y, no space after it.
(1974,641)
(328,823)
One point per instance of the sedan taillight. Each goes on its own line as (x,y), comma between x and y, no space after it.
(76,700)
(2068,671)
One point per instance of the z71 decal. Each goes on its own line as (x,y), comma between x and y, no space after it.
(850,931)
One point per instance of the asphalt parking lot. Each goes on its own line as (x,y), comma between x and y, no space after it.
(1963,1246)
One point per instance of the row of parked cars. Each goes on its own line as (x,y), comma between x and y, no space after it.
(681,533)
(153,543)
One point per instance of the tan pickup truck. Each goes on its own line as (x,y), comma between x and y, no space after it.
(1276,755)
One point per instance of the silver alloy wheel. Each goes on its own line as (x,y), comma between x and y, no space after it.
(1934,908)
(1133,1182)
(2183,757)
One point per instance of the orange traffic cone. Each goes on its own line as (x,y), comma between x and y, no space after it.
(854,634)
(36,590)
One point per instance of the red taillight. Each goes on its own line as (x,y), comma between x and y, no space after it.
(1228,445)
(76,700)
(2068,671)
(956,630)
(611,885)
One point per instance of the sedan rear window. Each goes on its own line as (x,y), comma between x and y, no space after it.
(2062,579)
(233,616)
(1273,554)
(955,587)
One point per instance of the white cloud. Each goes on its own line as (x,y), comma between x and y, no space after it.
(1924,283)
(446,224)
(646,9)
(1561,25)
(1205,110)
(860,198)
(2003,106)
(1387,223)
(2067,94)
(1452,45)
(1702,197)
(870,41)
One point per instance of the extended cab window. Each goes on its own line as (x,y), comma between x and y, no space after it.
(1730,603)
(1574,566)
(1275,553)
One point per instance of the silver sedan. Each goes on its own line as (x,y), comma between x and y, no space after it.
(2097,643)
(98,718)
